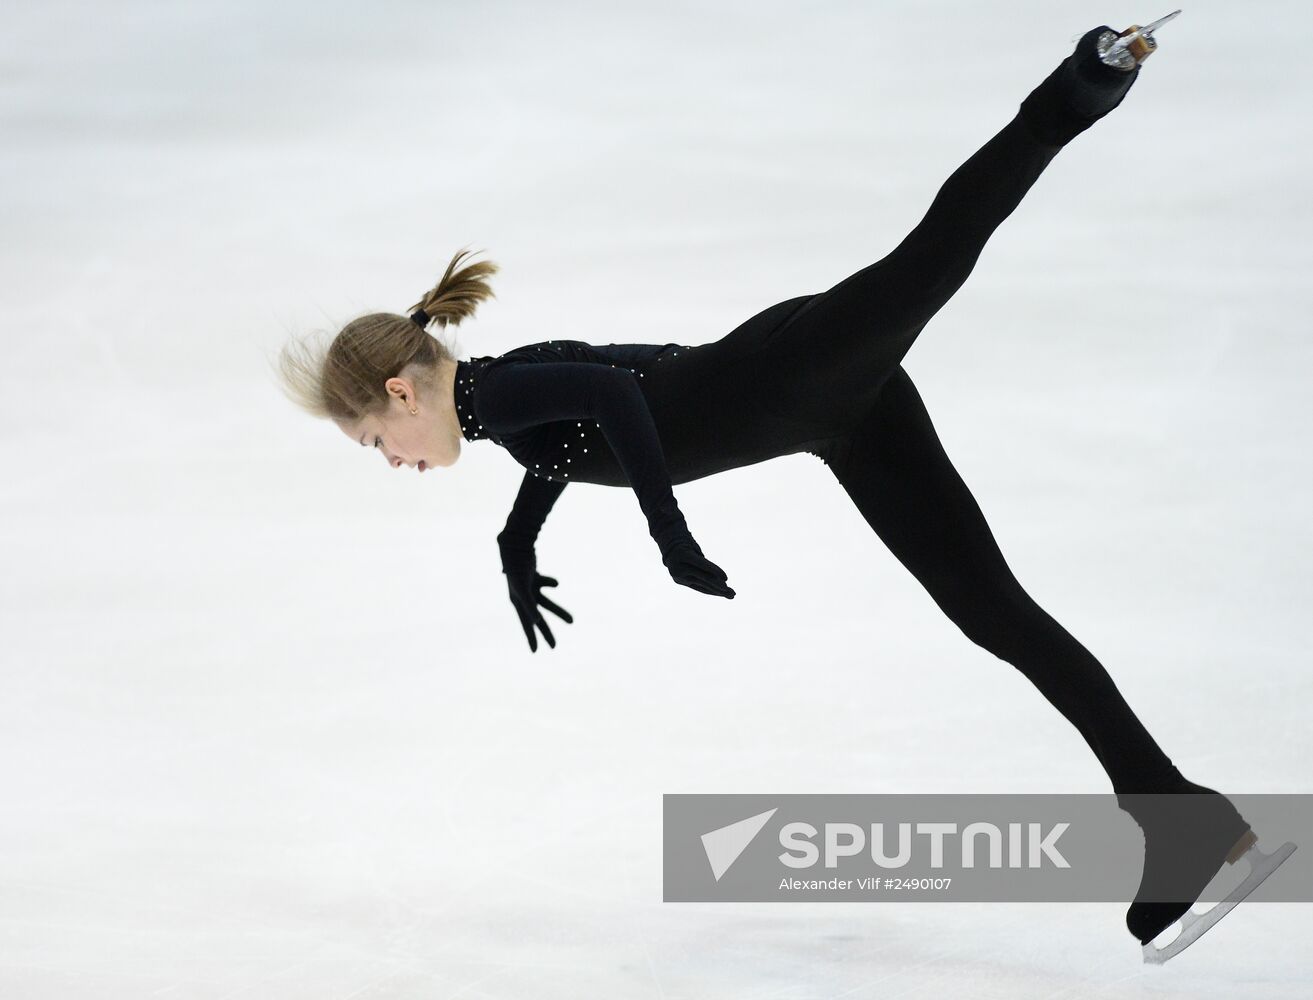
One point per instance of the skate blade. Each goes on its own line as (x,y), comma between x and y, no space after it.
(1194,925)
(1131,47)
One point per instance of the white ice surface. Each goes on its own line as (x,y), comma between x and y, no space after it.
(268,726)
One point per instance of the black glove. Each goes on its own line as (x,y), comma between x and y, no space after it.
(525,584)
(690,568)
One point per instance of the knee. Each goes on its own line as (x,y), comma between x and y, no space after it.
(998,618)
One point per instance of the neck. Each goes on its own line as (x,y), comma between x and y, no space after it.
(444,392)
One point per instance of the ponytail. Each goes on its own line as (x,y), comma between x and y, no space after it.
(345,380)
(459,293)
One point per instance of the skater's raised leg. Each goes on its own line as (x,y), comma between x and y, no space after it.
(856,333)
(1078,93)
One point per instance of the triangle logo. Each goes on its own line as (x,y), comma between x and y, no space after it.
(724,846)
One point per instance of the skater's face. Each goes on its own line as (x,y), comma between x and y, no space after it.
(416,440)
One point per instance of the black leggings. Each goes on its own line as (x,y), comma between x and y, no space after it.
(888,458)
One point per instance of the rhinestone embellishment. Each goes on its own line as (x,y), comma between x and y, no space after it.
(471,430)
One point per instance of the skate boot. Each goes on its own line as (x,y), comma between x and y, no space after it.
(1088,83)
(1189,835)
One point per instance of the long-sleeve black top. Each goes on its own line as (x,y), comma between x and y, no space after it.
(566,411)
(801,375)
(645,416)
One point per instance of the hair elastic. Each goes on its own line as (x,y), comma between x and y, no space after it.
(421,318)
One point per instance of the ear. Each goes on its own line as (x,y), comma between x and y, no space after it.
(401,389)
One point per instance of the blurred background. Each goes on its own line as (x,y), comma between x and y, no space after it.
(268,723)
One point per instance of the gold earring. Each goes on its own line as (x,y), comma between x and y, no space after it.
(414,410)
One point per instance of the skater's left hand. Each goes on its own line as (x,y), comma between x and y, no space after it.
(690,568)
(525,584)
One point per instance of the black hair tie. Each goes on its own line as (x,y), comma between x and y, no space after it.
(421,319)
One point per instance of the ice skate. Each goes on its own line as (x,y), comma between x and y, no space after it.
(1090,82)
(1195,924)
(1190,837)
(1133,46)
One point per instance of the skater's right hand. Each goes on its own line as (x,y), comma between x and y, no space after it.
(525,585)
(690,568)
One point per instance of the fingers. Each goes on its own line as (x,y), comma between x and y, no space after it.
(541,622)
(703,584)
(528,628)
(555,608)
(707,566)
(692,583)
(693,570)
(716,584)
(698,581)
(686,560)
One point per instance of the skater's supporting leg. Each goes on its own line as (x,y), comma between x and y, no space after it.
(897,473)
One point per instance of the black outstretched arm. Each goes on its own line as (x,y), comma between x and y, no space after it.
(520,563)
(529,512)
(516,397)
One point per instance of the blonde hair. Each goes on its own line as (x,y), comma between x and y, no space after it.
(345,380)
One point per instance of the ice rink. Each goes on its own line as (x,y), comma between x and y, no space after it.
(269,728)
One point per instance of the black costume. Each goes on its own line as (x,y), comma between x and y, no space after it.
(822,374)
(819,374)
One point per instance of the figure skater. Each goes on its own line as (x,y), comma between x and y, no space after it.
(820,374)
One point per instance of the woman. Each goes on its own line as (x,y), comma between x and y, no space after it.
(817,373)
